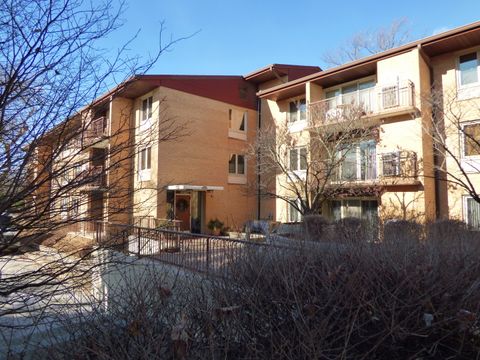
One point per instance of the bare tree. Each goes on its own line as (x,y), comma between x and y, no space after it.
(309,168)
(52,133)
(456,138)
(369,42)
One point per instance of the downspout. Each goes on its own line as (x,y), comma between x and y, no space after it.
(436,158)
(259,125)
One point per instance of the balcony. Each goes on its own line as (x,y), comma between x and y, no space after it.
(387,169)
(375,103)
(93,179)
(96,133)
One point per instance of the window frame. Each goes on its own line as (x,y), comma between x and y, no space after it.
(146,121)
(236,173)
(465,213)
(459,73)
(344,207)
(236,133)
(145,163)
(298,167)
(236,177)
(356,148)
(294,216)
(298,124)
(463,154)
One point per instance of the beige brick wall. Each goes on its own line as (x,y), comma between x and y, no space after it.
(198,158)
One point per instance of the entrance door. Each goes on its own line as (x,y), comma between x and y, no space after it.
(182,211)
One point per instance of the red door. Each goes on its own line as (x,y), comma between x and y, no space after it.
(182,211)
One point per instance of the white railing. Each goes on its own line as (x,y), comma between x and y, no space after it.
(371,101)
(397,164)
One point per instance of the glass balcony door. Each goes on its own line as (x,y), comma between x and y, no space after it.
(358,162)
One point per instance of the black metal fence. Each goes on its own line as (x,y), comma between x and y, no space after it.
(197,252)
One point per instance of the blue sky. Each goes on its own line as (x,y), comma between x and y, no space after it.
(237,37)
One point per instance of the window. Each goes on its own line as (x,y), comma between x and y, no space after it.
(145,159)
(468,69)
(293,214)
(63,207)
(356,93)
(238,124)
(298,110)
(144,163)
(391,164)
(298,159)
(357,162)
(74,207)
(472,213)
(353,208)
(147,109)
(146,115)
(471,139)
(236,165)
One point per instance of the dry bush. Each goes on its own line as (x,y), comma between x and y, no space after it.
(316,227)
(402,230)
(353,230)
(359,300)
(393,300)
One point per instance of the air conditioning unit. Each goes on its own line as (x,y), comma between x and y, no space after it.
(390,97)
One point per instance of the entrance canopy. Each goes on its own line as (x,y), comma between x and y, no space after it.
(194,187)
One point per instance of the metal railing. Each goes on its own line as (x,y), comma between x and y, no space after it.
(96,130)
(399,164)
(198,252)
(94,177)
(353,105)
(152,222)
(85,228)
(396,164)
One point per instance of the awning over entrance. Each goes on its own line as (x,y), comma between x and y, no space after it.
(194,187)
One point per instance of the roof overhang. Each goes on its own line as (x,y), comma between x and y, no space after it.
(275,71)
(194,187)
(449,41)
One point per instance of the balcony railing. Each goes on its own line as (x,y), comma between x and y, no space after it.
(96,131)
(378,100)
(399,164)
(93,178)
(393,167)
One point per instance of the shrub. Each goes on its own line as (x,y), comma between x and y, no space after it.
(361,300)
(316,227)
(402,231)
(353,230)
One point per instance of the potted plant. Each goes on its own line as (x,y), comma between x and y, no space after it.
(215,226)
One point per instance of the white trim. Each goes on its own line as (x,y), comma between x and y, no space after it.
(469,163)
(465,209)
(358,81)
(298,167)
(236,173)
(468,91)
(145,124)
(235,133)
(237,179)
(194,187)
(292,125)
